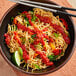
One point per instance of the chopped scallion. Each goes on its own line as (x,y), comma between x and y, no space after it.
(56,35)
(36,66)
(33,36)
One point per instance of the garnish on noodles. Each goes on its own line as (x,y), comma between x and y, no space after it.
(37,38)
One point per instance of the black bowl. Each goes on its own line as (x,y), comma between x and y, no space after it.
(12,12)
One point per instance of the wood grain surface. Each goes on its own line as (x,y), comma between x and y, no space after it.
(67,70)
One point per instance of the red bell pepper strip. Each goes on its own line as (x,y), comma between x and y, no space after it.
(55,26)
(22,27)
(7,38)
(25,55)
(66,38)
(17,38)
(45,60)
(27,15)
(57,51)
(45,29)
(44,19)
(49,38)
(61,30)
(64,23)
(15,21)
(39,34)
(36,41)
(32,46)
(24,12)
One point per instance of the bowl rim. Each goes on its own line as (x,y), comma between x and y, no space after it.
(47,72)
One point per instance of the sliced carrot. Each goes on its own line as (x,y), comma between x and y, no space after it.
(52,46)
(35,55)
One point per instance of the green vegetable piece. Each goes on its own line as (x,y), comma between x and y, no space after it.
(16,58)
(31,40)
(36,66)
(13,28)
(27,22)
(21,51)
(12,18)
(45,39)
(23,40)
(34,18)
(24,15)
(62,53)
(26,18)
(28,25)
(56,56)
(56,35)
(33,36)
(52,57)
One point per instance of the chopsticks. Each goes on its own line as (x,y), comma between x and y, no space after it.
(37,5)
(49,5)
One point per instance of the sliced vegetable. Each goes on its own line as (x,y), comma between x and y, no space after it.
(7,38)
(52,45)
(39,46)
(22,14)
(36,66)
(55,26)
(35,55)
(57,51)
(23,40)
(64,23)
(56,35)
(31,40)
(52,57)
(33,36)
(28,25)
(62,53)
(16,58)
(20,51)
(26,18)
(27,15)
(34,18)
(12,18)
(45,39)
(13,27)
(25,55)
(27,22)
(45,59)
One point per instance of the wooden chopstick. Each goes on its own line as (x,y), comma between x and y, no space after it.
(37,6)
(49,5)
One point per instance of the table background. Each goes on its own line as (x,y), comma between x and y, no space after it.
(67,70)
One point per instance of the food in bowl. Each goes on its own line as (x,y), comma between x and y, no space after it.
(36,39)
